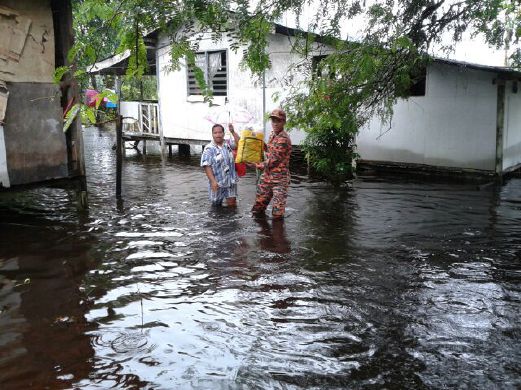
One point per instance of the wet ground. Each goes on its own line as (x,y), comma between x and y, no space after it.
(393,283)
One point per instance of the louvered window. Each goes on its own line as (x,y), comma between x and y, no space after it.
(215,68)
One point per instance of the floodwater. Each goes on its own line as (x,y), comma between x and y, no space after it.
(391,283)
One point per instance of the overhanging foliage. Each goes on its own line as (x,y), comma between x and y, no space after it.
(359,79)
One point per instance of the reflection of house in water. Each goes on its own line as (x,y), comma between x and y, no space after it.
(35,38)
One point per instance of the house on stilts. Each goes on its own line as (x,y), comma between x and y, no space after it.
(459,118)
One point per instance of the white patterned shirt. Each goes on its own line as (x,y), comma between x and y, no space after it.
(220,159)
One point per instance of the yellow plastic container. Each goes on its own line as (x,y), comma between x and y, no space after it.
(250,147)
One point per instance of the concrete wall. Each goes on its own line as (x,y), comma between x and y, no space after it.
(512,129)
(453,125)
(34,140)
(182,116)
(34,145)
(36,63)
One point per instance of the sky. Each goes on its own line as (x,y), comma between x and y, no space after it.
(471,50)
(475,51)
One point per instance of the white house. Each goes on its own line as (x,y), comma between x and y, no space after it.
(461,117)
(182,111)
(466,117)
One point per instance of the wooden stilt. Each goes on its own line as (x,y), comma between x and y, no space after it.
(119,154)
(184,150)
(64,40)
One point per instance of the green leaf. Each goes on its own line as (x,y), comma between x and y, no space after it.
(106,93)
(59,72)
(71,115)
(111,95)
(89,113)
(73,52)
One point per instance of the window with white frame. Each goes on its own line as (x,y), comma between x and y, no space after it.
(215,68)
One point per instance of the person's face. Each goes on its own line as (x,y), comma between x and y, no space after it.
(277,124)
(218,135)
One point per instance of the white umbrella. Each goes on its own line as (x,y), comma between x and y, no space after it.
(229,113)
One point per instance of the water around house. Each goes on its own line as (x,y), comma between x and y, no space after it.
(389,284)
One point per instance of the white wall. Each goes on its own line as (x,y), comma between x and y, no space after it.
(183,116)
(453,125)
(512,129)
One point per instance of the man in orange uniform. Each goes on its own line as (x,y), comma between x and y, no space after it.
(275,179)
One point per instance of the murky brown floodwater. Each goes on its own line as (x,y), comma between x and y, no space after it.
(391,284)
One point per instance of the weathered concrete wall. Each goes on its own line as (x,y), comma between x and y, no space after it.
(33,147)
(34,139)
(453,125)
(27,33)
(512,129)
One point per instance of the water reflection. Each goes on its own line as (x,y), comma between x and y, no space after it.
(42,307)
(273,235)
(387,284)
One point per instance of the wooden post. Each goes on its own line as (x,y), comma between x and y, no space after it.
(170,150)
(184,150)
(162,142)
(119,154)
(158,112)
(144,146)
(140,117)
(308,164)
(64,40)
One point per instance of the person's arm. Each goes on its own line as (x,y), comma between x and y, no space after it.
(234,134)
(209,173)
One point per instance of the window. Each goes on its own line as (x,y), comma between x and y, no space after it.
(318,69)
(215,69)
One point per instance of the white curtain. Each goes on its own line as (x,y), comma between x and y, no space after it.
(214,64)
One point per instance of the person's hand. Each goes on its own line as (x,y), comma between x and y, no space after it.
(259,165)
(214,186)
(231,128)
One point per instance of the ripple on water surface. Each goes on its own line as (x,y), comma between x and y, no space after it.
(386,284)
